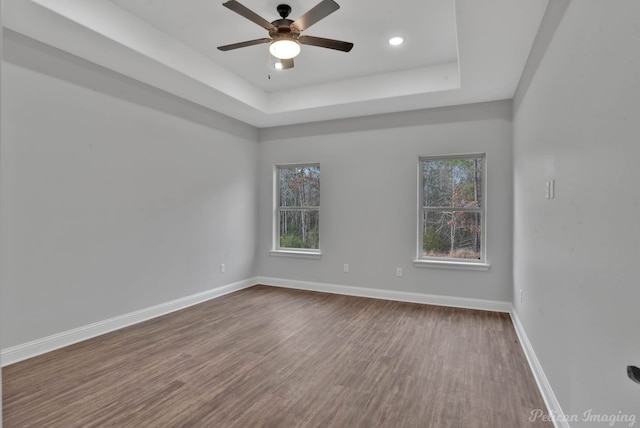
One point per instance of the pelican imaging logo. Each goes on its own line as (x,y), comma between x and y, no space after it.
(623,419)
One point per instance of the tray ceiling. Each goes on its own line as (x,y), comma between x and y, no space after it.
(455,52)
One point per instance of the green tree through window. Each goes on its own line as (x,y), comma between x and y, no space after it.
(298,206)
(452,207)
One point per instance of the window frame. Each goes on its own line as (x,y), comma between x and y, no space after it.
(450,262)
(276,249)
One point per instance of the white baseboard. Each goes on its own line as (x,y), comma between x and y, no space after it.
(66,338)
(401,296)
(550,400)
(60,340)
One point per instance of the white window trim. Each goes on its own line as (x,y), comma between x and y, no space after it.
(315,254)
(450,263)
(276,250)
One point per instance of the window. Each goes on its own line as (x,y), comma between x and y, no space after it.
(298,208)
(451,213)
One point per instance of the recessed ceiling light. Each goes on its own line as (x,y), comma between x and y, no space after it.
(395,41)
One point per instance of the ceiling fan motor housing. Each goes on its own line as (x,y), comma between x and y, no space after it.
(284,30)
(284,10)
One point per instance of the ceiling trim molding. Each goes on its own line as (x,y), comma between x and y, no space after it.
(30,54)
(494,110)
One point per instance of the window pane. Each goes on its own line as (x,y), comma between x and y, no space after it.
(299,186)
(299,229)
(452,182)
(451,234)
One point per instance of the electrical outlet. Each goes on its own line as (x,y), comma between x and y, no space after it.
(222,268)
(346,267)
(398,271)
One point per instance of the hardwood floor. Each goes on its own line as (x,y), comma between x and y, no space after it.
(274,357)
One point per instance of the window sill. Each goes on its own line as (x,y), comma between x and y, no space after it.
(441,264)
(298,254)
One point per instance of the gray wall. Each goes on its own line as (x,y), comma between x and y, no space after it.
(576,256)
(369,197)
(111,200)
(117,197)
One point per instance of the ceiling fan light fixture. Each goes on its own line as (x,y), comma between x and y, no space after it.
(284,34)
(284,49)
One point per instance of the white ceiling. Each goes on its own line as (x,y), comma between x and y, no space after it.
(456,51)
(204,24)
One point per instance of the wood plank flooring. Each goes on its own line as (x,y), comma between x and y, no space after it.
(272,357)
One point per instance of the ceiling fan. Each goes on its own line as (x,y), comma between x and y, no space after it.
(284,33)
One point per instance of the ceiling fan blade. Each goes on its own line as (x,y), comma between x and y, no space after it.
(318,12)
(326,43)
(249,14)
(244,44)
(286,63)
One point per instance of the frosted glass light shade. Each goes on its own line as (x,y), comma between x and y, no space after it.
(284,49)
